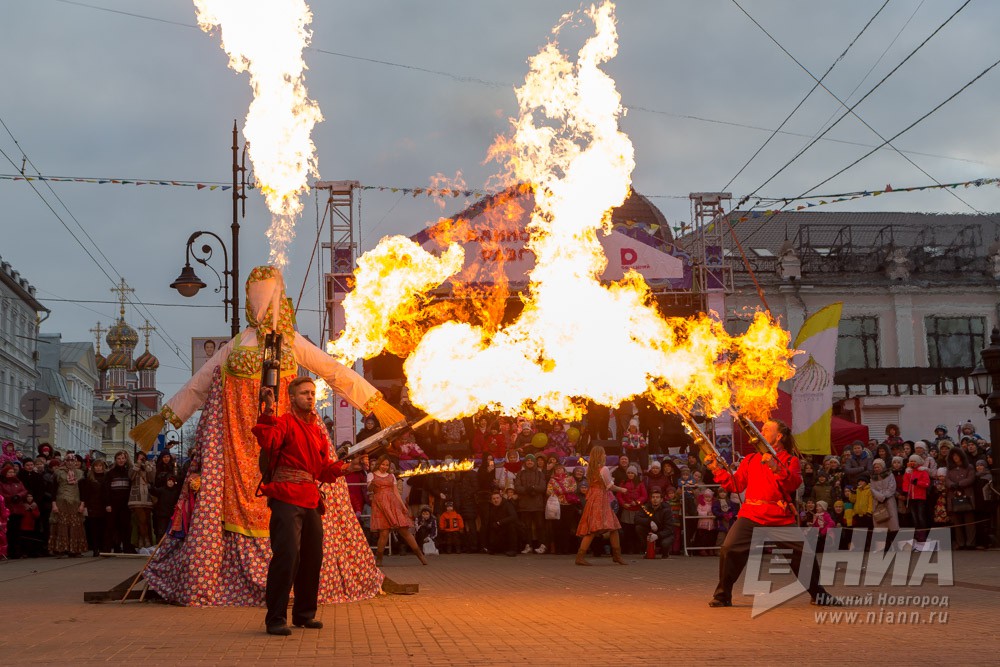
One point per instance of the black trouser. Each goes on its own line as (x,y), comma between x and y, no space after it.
(96,527)
(451,541)
(918,513)
(736,552)
(121,529)
(470,535)
(502,539)
(297,555)
(161,524)
(534,525)
(14,536)
(665,535)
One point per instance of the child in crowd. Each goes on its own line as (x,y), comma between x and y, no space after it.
(807,513)
(451,526)
(822,519)
(31,528)
(426,529)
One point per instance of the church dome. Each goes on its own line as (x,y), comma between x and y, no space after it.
(121,335)
(147,362)
(118,359)
(102,362)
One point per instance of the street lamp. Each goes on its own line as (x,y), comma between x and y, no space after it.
(982,383)
(188,283)
(991,362)
(112,421)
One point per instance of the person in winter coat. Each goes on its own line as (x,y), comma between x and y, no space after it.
(166,501)
(940,434)
(656,479)
(859,463)
(140,502)
(117,489)
(655,523)
(630,501)
(892,437)
(165,466)
(500,526)
(480,438)
(68,537)
(916,481)
(91,492)
(634,443)
(451,525)
(822,489)
(922,449)
(961,480)
(529,484)
(883,488)
(13,493)
(985,506)
(426,528)
(563,488)
(823,522)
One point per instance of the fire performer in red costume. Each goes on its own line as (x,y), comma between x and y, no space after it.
(770,485)
(296,444)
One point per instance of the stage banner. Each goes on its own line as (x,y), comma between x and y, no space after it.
(812,386)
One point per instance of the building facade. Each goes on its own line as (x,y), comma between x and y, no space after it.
(20,315)
(68,375)
(920,295)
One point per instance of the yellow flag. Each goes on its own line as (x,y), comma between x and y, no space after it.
(812,386)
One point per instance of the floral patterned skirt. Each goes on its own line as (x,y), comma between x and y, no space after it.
(67,535)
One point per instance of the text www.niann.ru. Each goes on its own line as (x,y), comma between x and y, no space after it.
(881,617)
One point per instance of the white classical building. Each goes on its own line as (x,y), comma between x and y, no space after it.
(20,313)
(920,294)
(68,375)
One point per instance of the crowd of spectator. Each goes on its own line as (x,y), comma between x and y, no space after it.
(527,492)
(66,505)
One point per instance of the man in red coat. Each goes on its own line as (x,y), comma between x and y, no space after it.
(297,447)
(770,487)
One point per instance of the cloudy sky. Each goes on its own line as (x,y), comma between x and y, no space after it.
(133,90)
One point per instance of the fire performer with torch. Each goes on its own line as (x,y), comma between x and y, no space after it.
(223,558)
(770,482)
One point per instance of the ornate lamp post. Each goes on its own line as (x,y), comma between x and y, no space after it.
(991,362)
(188,283)
(112,422)
(982,383)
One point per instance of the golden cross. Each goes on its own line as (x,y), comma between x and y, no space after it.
(97,331)
(123,290)
(147,329)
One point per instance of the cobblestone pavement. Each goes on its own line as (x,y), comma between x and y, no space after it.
(487,610)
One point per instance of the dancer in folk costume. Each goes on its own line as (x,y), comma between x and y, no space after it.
(223,557)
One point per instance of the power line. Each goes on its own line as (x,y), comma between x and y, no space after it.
(807,95)
(850,110)
(907,128)
(161,330)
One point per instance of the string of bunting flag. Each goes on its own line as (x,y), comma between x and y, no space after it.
(822,200)
(210,185)
(811,201)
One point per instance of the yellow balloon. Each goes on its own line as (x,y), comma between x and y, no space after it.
(573,433)
(539,440)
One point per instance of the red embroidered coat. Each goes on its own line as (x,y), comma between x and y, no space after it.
(767,493)
(303,446)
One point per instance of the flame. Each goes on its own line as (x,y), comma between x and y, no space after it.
(390,281)
(454,466)
(575,339)
(323,394)
(266,38)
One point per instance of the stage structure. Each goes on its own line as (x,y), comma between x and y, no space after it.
(342,214)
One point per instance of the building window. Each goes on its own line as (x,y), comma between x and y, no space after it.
(857,343)
(954,342)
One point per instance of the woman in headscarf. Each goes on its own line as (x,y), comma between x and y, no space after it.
(223,558)
(67,537)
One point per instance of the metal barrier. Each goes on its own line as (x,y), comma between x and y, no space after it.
(685,517)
